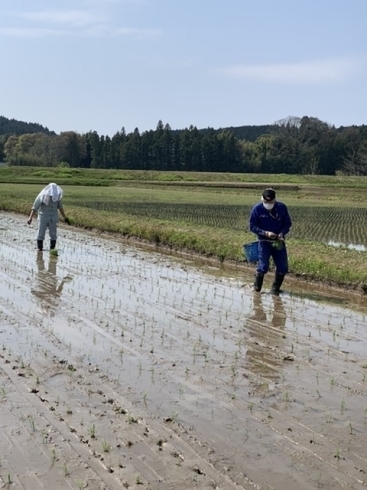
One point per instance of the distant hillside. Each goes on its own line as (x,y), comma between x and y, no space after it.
(249,133)
(12,126)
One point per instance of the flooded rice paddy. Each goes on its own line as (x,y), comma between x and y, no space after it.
(123,367)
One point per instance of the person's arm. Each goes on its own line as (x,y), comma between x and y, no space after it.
(62,212)
(35,208)
(287,223)
(33,212)
(253,223)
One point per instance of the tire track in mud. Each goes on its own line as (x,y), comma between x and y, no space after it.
(190,380)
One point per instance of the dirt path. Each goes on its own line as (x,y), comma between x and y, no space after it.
(124,368)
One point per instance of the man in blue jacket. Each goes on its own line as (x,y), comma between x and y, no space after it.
(270,221)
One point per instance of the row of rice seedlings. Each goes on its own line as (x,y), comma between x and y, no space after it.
(344,225)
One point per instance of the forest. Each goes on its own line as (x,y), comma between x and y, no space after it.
(294,145)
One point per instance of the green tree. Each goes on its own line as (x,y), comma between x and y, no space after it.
(72,148)
(354,158)
(230,152)
(95,149)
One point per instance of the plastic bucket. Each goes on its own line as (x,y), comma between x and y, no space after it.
(251,251)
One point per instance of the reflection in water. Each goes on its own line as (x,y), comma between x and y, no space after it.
(334,300)
(47,289)
(266,336)
(351,246)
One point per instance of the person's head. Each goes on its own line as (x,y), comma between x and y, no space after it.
(268,198)
(51,191)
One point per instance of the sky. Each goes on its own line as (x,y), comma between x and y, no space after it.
(101,65)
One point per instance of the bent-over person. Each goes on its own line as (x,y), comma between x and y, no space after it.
(47,204)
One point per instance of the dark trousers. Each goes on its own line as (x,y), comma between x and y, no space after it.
(280,257)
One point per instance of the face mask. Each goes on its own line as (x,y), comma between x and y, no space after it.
(268,206)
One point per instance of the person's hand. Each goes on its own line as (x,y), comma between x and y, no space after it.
(271,235)
(29,221)
(281,237)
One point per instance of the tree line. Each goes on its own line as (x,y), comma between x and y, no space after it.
(304,145)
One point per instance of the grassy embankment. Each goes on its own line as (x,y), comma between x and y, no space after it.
(208,213)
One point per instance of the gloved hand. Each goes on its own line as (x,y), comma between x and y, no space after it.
(271,235)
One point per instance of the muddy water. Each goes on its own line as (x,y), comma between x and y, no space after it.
(220,387)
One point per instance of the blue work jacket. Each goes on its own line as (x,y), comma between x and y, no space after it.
(276,220)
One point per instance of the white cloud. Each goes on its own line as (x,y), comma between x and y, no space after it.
(140,33)
(75,18)
(76,23)
(92,32)
(24,32)
(308,72)
(103,2)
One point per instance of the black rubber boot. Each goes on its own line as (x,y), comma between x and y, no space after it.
(52,244)
(40,244)
(258,284)
(278,281)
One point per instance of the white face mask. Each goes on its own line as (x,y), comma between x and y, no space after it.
(268,206)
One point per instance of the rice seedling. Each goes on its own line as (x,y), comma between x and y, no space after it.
(54,457)
(342,407)
(138,480)
(92,431)
(106,446)
(45,437)
(145,398)
(174,415)
(31,423)
(337,454)
(65,470)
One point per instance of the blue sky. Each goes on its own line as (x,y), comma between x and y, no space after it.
(100,65)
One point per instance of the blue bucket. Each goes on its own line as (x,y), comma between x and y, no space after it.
(251,251)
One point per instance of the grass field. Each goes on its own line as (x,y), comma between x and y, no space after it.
(208,213)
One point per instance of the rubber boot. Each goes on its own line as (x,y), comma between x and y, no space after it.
(52,244)
(278,281)
(40,245)
(258,284)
